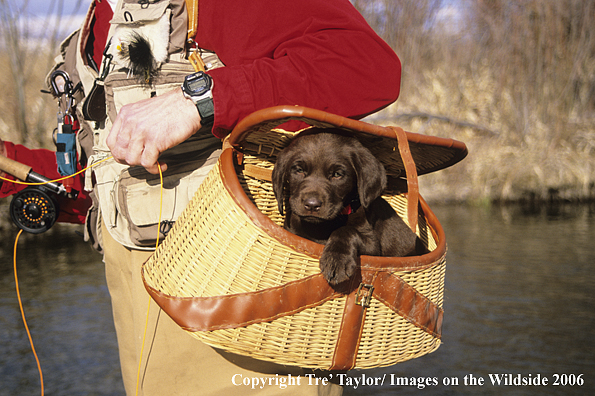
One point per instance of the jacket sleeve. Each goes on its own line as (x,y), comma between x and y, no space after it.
(43,162)
(319,54)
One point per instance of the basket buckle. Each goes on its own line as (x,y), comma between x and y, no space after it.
(363,296)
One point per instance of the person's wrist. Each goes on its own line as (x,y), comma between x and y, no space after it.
(197,88)
(191,112)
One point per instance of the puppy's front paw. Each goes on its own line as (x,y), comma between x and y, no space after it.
(338,262)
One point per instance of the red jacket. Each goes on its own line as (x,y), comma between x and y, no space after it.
(313,53)
(319,54)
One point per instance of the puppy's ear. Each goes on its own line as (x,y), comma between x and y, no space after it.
(279,173)
(370,173)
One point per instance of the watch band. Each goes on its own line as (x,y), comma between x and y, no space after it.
(206,109)
(197,88)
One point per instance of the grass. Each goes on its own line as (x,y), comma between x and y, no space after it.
(33,123)
(507,161)
(514,81)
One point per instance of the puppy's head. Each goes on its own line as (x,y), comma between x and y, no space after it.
(323,172)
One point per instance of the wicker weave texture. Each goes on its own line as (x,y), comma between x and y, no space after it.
(215,249)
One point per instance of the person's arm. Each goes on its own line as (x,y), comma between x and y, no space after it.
(319,54)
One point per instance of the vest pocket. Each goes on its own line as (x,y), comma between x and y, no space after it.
(121,90)
(138,197)
(131,12)
(140,36)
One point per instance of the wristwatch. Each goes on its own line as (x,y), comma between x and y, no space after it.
(197,88)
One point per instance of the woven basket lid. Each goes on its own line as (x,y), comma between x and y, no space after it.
(430,153)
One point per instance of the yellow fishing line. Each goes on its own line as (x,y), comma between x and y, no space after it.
(56,180)
(140,359)
(16,280)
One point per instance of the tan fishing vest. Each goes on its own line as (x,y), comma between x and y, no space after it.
(127,199)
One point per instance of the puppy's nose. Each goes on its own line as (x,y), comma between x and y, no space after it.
(312,204)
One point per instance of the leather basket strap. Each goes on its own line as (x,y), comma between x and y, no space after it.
(403,299)
(243,309)
(397,295)
(239,310)
(350,332)
(411,171)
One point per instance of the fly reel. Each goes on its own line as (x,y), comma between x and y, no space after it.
(33,210)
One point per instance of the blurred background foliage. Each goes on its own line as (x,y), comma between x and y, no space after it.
(28,44)
(514,80)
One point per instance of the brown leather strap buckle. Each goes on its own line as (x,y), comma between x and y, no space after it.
(364,299)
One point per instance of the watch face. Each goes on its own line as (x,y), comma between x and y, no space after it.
(198,84)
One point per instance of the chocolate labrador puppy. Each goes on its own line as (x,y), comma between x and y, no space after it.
(330,186)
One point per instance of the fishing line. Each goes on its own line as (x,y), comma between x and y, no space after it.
(140,359)
(17,280)
(56,180)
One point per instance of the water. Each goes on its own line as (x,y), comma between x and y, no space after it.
(66,303)
(519,300)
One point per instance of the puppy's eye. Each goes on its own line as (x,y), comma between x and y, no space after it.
(337,174)
(297,169)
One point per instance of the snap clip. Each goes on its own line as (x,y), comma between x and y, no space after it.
(363,296)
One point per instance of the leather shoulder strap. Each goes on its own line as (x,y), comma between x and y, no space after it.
(192,8)
(193,55)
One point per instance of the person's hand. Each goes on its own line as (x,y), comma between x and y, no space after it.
(145,129)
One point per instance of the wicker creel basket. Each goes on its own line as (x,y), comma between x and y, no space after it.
(230,275)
